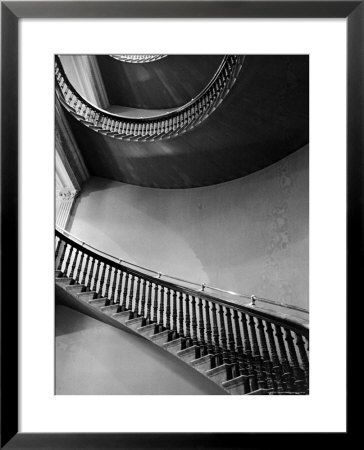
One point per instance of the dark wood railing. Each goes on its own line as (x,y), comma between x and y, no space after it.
(165,126)
(269,353)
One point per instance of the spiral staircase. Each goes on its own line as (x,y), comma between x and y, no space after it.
(243,349)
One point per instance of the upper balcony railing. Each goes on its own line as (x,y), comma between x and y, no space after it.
(138,59)
(167,125)
(269,352)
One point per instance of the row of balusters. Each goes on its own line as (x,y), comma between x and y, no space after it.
(268,356)
(154,128)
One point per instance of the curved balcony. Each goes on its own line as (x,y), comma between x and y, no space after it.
(137,59)
(167,125)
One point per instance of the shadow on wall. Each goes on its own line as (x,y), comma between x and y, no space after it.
(249,235)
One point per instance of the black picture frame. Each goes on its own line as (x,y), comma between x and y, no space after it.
(11,12)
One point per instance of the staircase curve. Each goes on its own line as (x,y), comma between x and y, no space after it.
(164,126)
(242,349)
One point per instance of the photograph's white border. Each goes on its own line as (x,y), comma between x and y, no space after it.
(325,408)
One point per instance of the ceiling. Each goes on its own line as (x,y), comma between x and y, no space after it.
(263,119)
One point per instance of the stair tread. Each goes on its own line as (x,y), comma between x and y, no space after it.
(97,300)
(215,370)
(202,360)
(186,351)
(158,335)
(121,314)
(132,321)
(146,327)
(172,343)
(235,381)
(75,286)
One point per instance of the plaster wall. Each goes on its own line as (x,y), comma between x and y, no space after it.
(249,235)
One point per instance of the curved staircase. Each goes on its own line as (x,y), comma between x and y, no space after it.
(243,350)
(165,126)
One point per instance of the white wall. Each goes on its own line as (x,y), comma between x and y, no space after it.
(249,235)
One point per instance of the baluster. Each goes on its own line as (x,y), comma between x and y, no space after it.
(102,280)
(161,310)
(131,294)
(168,310)
(96,278)
(74,264)
(210,348)
(201,328)
(232,347)
(287,375)
(243,368)
(181,321)
(107,286)
(57,247)
(123,307)
(148,304)
(256,355)
(174,317)
(297,372)
(118,294)
(194,326)
(225,353)
(217,361)
(113,288)
(188,322)
(63,254)
(155,303)
(304,358)
(248,352)
(274,354)
(271,385)
(94,274)
(67,267)
(137,298)
(142,302)
(80,264)
(85,271)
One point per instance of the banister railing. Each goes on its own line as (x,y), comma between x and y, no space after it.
(167,125)
(268,352)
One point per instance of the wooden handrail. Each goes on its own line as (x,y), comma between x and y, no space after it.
(253,298)
(164,126)
(269,352)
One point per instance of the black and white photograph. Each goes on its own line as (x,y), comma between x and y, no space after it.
(181,224)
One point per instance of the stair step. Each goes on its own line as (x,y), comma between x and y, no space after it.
(160,338)
(259,392)
(134,323)
(202,364)
(188,354)
(147,330)
(86,296)
(110,309)
(122,316)
(173,346)
(97,302)
(217,374)
(64,281)
(75,288)
(236,386)
(59,273)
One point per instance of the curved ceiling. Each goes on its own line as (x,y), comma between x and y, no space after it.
(263,119)
(166,83)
